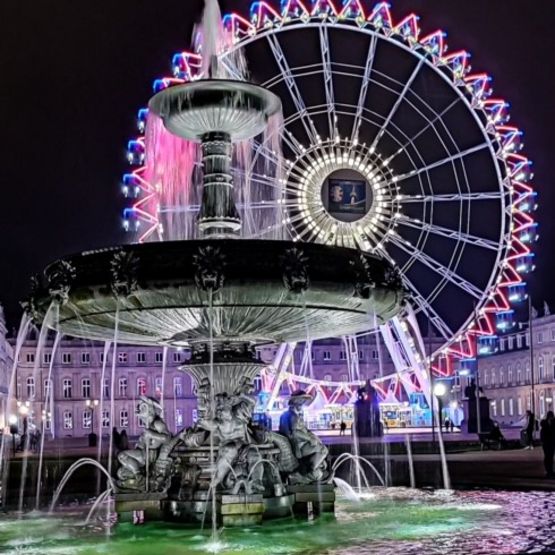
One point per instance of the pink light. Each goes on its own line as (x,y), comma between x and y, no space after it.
(353,6)
(292,5)
(458,62)
(435,43)
(408,27)
(381,16)
(265,12)
(237,25)
(324,7)
(480,84)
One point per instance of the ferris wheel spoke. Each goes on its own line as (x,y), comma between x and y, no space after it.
(443,161)
(364,87)
(438,322)
(233,71)
(398,102)
(292,86)
(454,197)
(455,235)
(261,148)
(437,267)
(328,79)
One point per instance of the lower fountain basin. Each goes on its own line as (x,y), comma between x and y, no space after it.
(264,291)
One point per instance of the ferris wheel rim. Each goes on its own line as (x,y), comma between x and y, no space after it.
(488,144)
(508,196)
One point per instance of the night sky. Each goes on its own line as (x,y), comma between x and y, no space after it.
(74,74)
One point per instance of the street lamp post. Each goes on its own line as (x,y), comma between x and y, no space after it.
(92,404)
(439,392)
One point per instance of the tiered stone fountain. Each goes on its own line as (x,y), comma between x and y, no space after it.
(220,296)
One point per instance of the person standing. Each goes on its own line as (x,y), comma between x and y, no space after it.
(342,428)
(547,437)
(529,429)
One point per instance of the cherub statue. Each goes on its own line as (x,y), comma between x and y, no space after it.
(232,433)
(308,449)
(152,449)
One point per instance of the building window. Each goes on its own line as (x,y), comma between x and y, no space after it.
(511,342)
(493,377)
(86,388)
(519,405)
(511,407)
(30,357)
(502,344)
(47,358)
(375,354)
(30,388)
(541,369)
(344,377)
(501,377)
(553,367)
(141,357)
(122,357)
(552,334)
(528,339)
(123,418)
(509,374)
(361,355)
(46,388)
(518,373)
(140,422)
(87,419)
(141,386)
(342,355)
(177,356)
(66,358)
(122,387)
(519,341)
(47,417)
(66,388)
(494,408)
(178,417)
(527,372)
(327,378)
(502,407)
(158,386)
(158,356)
(102,358)
(105,419)
(327,355)
(68,420)
(540,337)
(311,354)
(178,385)
(486,378)
(85,358)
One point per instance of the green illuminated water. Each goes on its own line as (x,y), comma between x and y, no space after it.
(395,521)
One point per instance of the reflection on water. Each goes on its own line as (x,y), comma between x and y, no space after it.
(396,521)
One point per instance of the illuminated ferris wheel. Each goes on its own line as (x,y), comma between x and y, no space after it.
(392,145)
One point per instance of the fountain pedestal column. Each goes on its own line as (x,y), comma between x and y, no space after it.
(218,217)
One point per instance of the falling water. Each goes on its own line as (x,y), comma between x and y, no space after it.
(410,461)
(344,457)
(47,402)
(386,463)
(444,467)
(69,473)
(107,346)
(12,394)
(164,364)
(214,537)
(43,335)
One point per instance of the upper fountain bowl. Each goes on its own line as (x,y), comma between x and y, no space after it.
(236,108)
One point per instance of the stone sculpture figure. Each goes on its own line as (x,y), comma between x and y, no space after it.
(231,431)
(151,455)
(308,449)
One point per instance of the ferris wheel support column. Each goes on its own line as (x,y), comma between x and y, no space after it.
(283,358)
